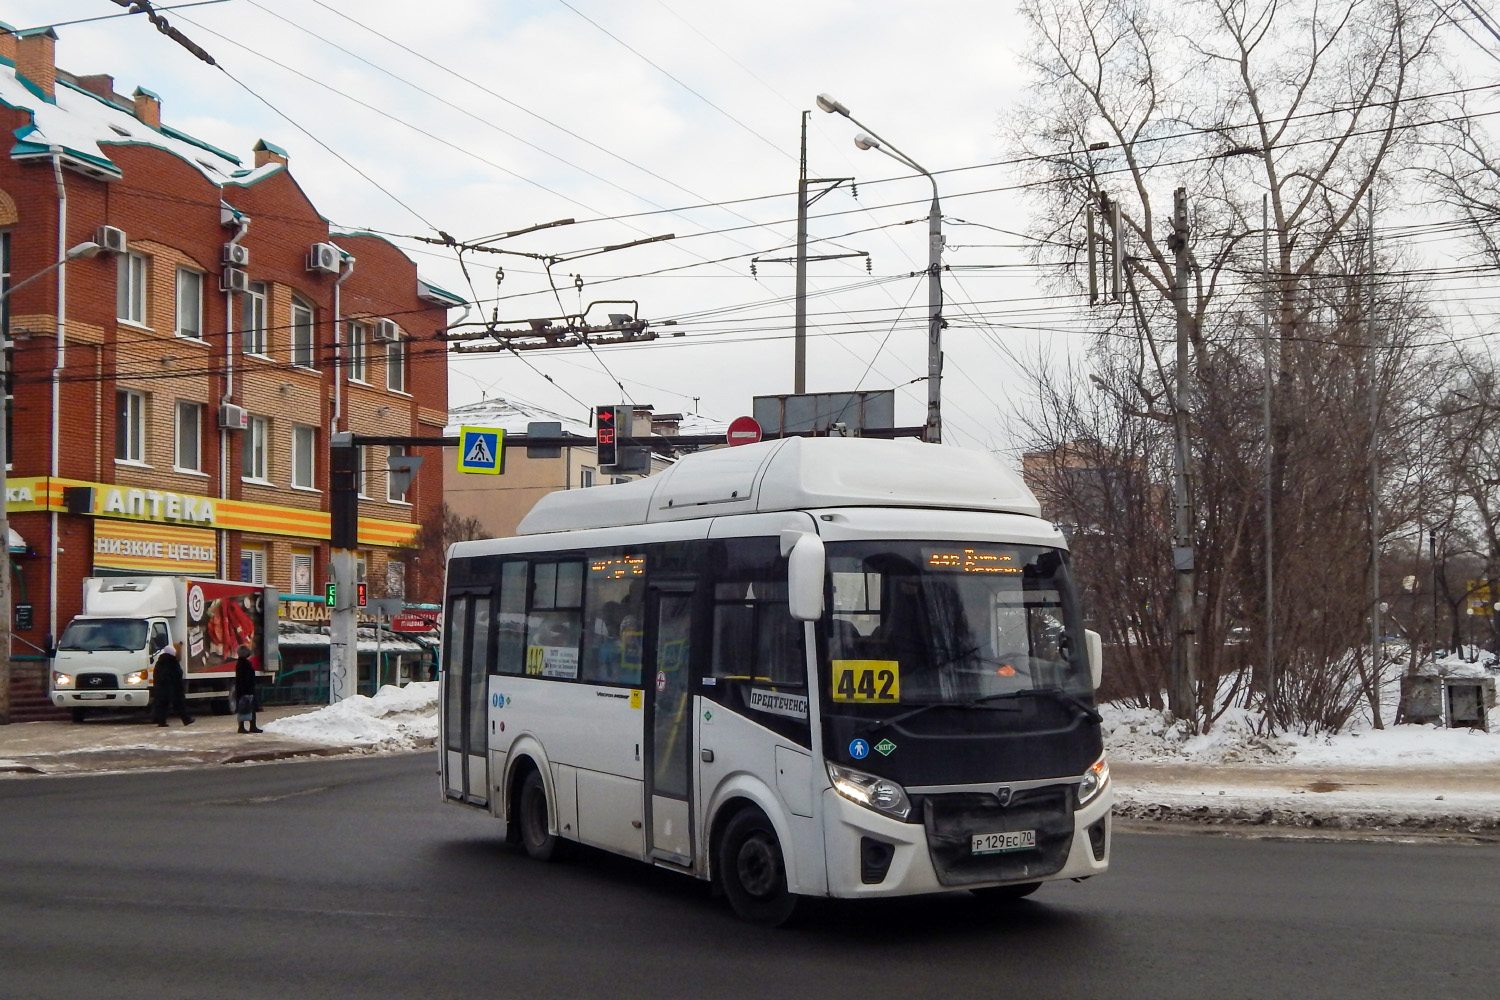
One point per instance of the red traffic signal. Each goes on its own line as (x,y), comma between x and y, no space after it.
(361,593)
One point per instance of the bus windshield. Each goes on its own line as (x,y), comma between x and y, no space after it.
(951,624)
(96,634)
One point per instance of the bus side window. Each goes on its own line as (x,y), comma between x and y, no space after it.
(555,624)
(614,609)
(510,630)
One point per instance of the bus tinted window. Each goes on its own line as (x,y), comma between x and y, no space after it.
(555,623)
(510,626)
(453,662)
(755,636)
(614,613)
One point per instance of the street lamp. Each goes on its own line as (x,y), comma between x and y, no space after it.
(932,430)
(88,248)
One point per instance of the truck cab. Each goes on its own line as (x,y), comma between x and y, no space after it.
(105,662)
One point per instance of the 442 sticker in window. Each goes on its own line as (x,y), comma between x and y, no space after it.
(875,681)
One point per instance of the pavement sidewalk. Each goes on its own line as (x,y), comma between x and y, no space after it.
(130,741)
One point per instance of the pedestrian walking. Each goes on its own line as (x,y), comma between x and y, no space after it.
(168,688)
(244,691)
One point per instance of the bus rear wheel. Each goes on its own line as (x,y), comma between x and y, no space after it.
(752,872)
(531,816)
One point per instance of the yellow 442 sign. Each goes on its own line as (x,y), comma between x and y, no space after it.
(872,681)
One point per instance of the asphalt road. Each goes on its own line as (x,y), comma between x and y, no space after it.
(349,879)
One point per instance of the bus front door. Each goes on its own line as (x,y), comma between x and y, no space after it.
(466,698)
(669,723)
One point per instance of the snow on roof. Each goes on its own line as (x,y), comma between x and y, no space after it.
(512,416)
(83,125)
(302,636)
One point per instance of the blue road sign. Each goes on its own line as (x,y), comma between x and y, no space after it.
(480,449)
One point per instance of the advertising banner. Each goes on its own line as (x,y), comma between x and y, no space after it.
(222,617)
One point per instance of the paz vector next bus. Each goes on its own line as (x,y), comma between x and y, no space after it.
(806,667)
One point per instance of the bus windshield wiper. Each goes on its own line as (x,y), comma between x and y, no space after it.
(1055,693)
(915,710)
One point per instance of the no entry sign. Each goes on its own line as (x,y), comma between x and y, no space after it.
(743,430)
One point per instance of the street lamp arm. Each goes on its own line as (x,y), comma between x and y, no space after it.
(88,248)
(883,146)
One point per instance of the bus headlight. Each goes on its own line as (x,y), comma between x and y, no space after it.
(137,678)
(881,794)
(60,680)
(1094,780)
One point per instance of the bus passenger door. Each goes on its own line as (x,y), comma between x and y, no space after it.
(466,698)
(669,723)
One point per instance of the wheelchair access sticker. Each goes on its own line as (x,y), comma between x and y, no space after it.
(871,681)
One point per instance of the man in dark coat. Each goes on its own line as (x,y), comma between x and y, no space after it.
(168,687)
(244,691)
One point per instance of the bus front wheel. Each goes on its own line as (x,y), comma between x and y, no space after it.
(752,871)
(532,809)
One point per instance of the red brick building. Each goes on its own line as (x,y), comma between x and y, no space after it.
(172,397)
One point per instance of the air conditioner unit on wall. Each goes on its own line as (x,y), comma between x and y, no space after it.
(233,418)
(112,239)
(387,331)
(234,280)
(237,255)
(324,257)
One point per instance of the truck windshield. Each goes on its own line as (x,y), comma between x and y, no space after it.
(96,634)
(977,625)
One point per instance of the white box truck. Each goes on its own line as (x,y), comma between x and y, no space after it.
(103,658)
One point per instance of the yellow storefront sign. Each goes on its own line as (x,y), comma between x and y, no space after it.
(154,548)
(129,503)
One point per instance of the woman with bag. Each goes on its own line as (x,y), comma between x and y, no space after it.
(244,691)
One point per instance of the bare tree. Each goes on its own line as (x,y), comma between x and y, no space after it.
(1293,112)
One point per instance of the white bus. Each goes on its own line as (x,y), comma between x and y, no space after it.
(807,667)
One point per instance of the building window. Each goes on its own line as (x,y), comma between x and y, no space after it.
(189,304)
(130,426)
(359,336)
(253,458)
(395,364)
(361,568)
(252,564)
(586,478)
(189,456)
(253,319)
(302,571)
(391,494)
(302,334)
(304,443)
(366,463)
(130,288)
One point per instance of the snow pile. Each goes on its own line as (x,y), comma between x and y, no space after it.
(1238,737)
(397,718)
(1144,734)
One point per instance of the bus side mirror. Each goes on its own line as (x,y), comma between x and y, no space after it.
(805,564)
(1096,656)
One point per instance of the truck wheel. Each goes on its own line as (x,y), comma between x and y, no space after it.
(752,872)
(79,714)
(531,814)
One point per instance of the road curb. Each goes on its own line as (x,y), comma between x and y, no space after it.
(260,756)
(20,769)
(1280,817)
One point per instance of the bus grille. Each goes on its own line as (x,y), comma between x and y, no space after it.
(98,682)
(952,820)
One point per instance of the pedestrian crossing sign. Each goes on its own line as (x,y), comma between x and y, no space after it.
(481,449)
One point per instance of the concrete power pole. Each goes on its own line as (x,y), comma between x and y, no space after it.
(1184,669)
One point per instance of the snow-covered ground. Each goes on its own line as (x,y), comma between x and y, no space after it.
(396,718)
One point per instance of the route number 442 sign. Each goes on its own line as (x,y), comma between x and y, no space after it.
(874,681)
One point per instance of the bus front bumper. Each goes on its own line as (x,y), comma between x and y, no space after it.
(847,825)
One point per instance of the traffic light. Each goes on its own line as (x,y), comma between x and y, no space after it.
(361,593)
(331,594)
(343,504)
(606,434)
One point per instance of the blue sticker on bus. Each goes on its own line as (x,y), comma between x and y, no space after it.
(859,749)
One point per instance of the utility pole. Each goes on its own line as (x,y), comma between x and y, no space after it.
(1184,670)
(799,358)
(1269,488)
(1376,647)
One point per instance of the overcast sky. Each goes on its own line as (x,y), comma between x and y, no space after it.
(543,110)
(626,116)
